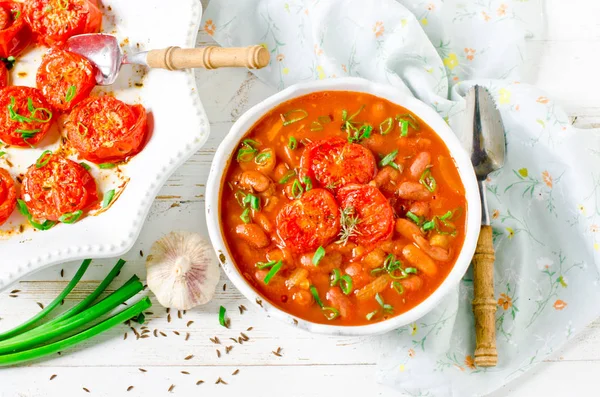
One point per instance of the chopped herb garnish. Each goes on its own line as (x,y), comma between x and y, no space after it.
(71,217)
(247,151)
(392,266)
(429,225)
(10,61)
(27,134)
(297,189)
(410,119)
(276,267)
(222,312)
(315,294)
(349,222)
(346,284)
(386,126)
(245,217)
(307,182)
(108,198)
(371,315)
(2,153)
(403,128)
(25,212)
(262,158)
(240,197)
(386,307)
(287,176)
(293,116)
(292,143)
(335,277)
(82,129)
(318,256)
(324,119)
(264,265)
(85,166)
(414,218)
(330,313)
(410,270)
(43,159)
(316,126)
(70,93)
(106,166)
(253,200)
(389,160)
(398,287)
(428,180)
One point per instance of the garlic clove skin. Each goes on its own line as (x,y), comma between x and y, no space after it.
(182,270)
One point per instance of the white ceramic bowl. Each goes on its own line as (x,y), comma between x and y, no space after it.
(429,116)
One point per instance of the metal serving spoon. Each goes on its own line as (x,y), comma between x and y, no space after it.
(105,52)
(486,142)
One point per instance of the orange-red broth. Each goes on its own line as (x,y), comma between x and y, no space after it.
(284,289)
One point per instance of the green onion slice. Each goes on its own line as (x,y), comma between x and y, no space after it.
(315,294)
(371,315)
(287,176)
(398,287)
(276,267)
(82,129)
(386,307)
(240,197)
(108,198)
(316,126)
(335,277)
(85,166)
(403,128)
(429,225)
(247,151)
(297,189)
(262,158)
(292,143)
(307,183)
(245,217)
(318,256)
(265,265)
(428,180)
(410,270)
(410,119)
(414,218)
(222,312)
(43,159)
(386,126)
(324,119)
(107,166)
(346,284)
(447,215)
(71,217)
(253,200)
(331,313)
(293,116)
(389,159)
(70,93)
(2,153)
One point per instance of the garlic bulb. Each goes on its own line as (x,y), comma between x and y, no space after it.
(182,270)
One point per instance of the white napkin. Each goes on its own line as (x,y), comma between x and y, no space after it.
(545,202)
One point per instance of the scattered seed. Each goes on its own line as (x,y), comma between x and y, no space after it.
(199,382)
(156,333)
(135,332)
(142,370)
(130,388)
(244,336)
(179,313)
(242,309)
(171,388)
(250,329)
(15,291)
(13,296)
(162,333)
(176,333)
(62,272)
(169,318)
(168,310)
(144,336)
(259,302)
(278,352)
(52,377)
(227,322)
(141,253)
(215,340)
(224,287)
(237,371)
(86,390)
(218,353)
(149,314)
(189,357)
(125,336)
(41,305)
(145,331)
(228,349)
(189,323)
(240,340)
(185,372)
(295,322)
(220,381)
(233,339)
(187,336)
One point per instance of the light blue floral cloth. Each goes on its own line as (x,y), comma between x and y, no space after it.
(545,203)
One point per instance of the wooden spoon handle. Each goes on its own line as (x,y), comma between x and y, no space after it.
(484,304)
(175,58)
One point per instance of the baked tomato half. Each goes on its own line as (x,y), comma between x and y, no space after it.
(25,117)
(373,217)
(334,163)
(54,21)
(65,78)
(15,34)
(8,195)
(104,129)
(3,75)
(56,188)
(311,221)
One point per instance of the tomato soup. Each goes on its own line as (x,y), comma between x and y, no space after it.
(343,208)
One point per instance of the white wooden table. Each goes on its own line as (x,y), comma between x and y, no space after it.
(309,365)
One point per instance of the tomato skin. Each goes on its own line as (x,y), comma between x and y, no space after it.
(52,23)
(309,222)
(15,34)
(91,129)
(61,186)
(334,163)
(3,75)
(59,71)
(9,127)
(374,211)
(8,196)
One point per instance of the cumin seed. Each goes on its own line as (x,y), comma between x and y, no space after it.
(162,333)
(220,381)
(171,388)
(259,302)
(13,296)
(130,388)
(250,329)
(15,291)
(62,272)
(240,340)
(215,340)
(242,309)
(199,382)
(244,336)
(142,370)
(168,310)
(187,336)
(189,357)
(233,339)
(41,305)
(144,336)
(189,323)
(176,333)
(156,333)
(218,353)
(86,390)
(228,349)
(237,371)
(168,318)
(178,313)
(53,376)
(278,352)
(141,253)
(185,372)
(125,336)
(224,287)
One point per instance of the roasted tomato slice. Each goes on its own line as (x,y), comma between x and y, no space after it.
(55,186)
(8,195)
(54,21)
(65,78)
(3,75)
(15,34)
(105,129)
(334,163)
(372,210)
(311,221)
(25,117)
